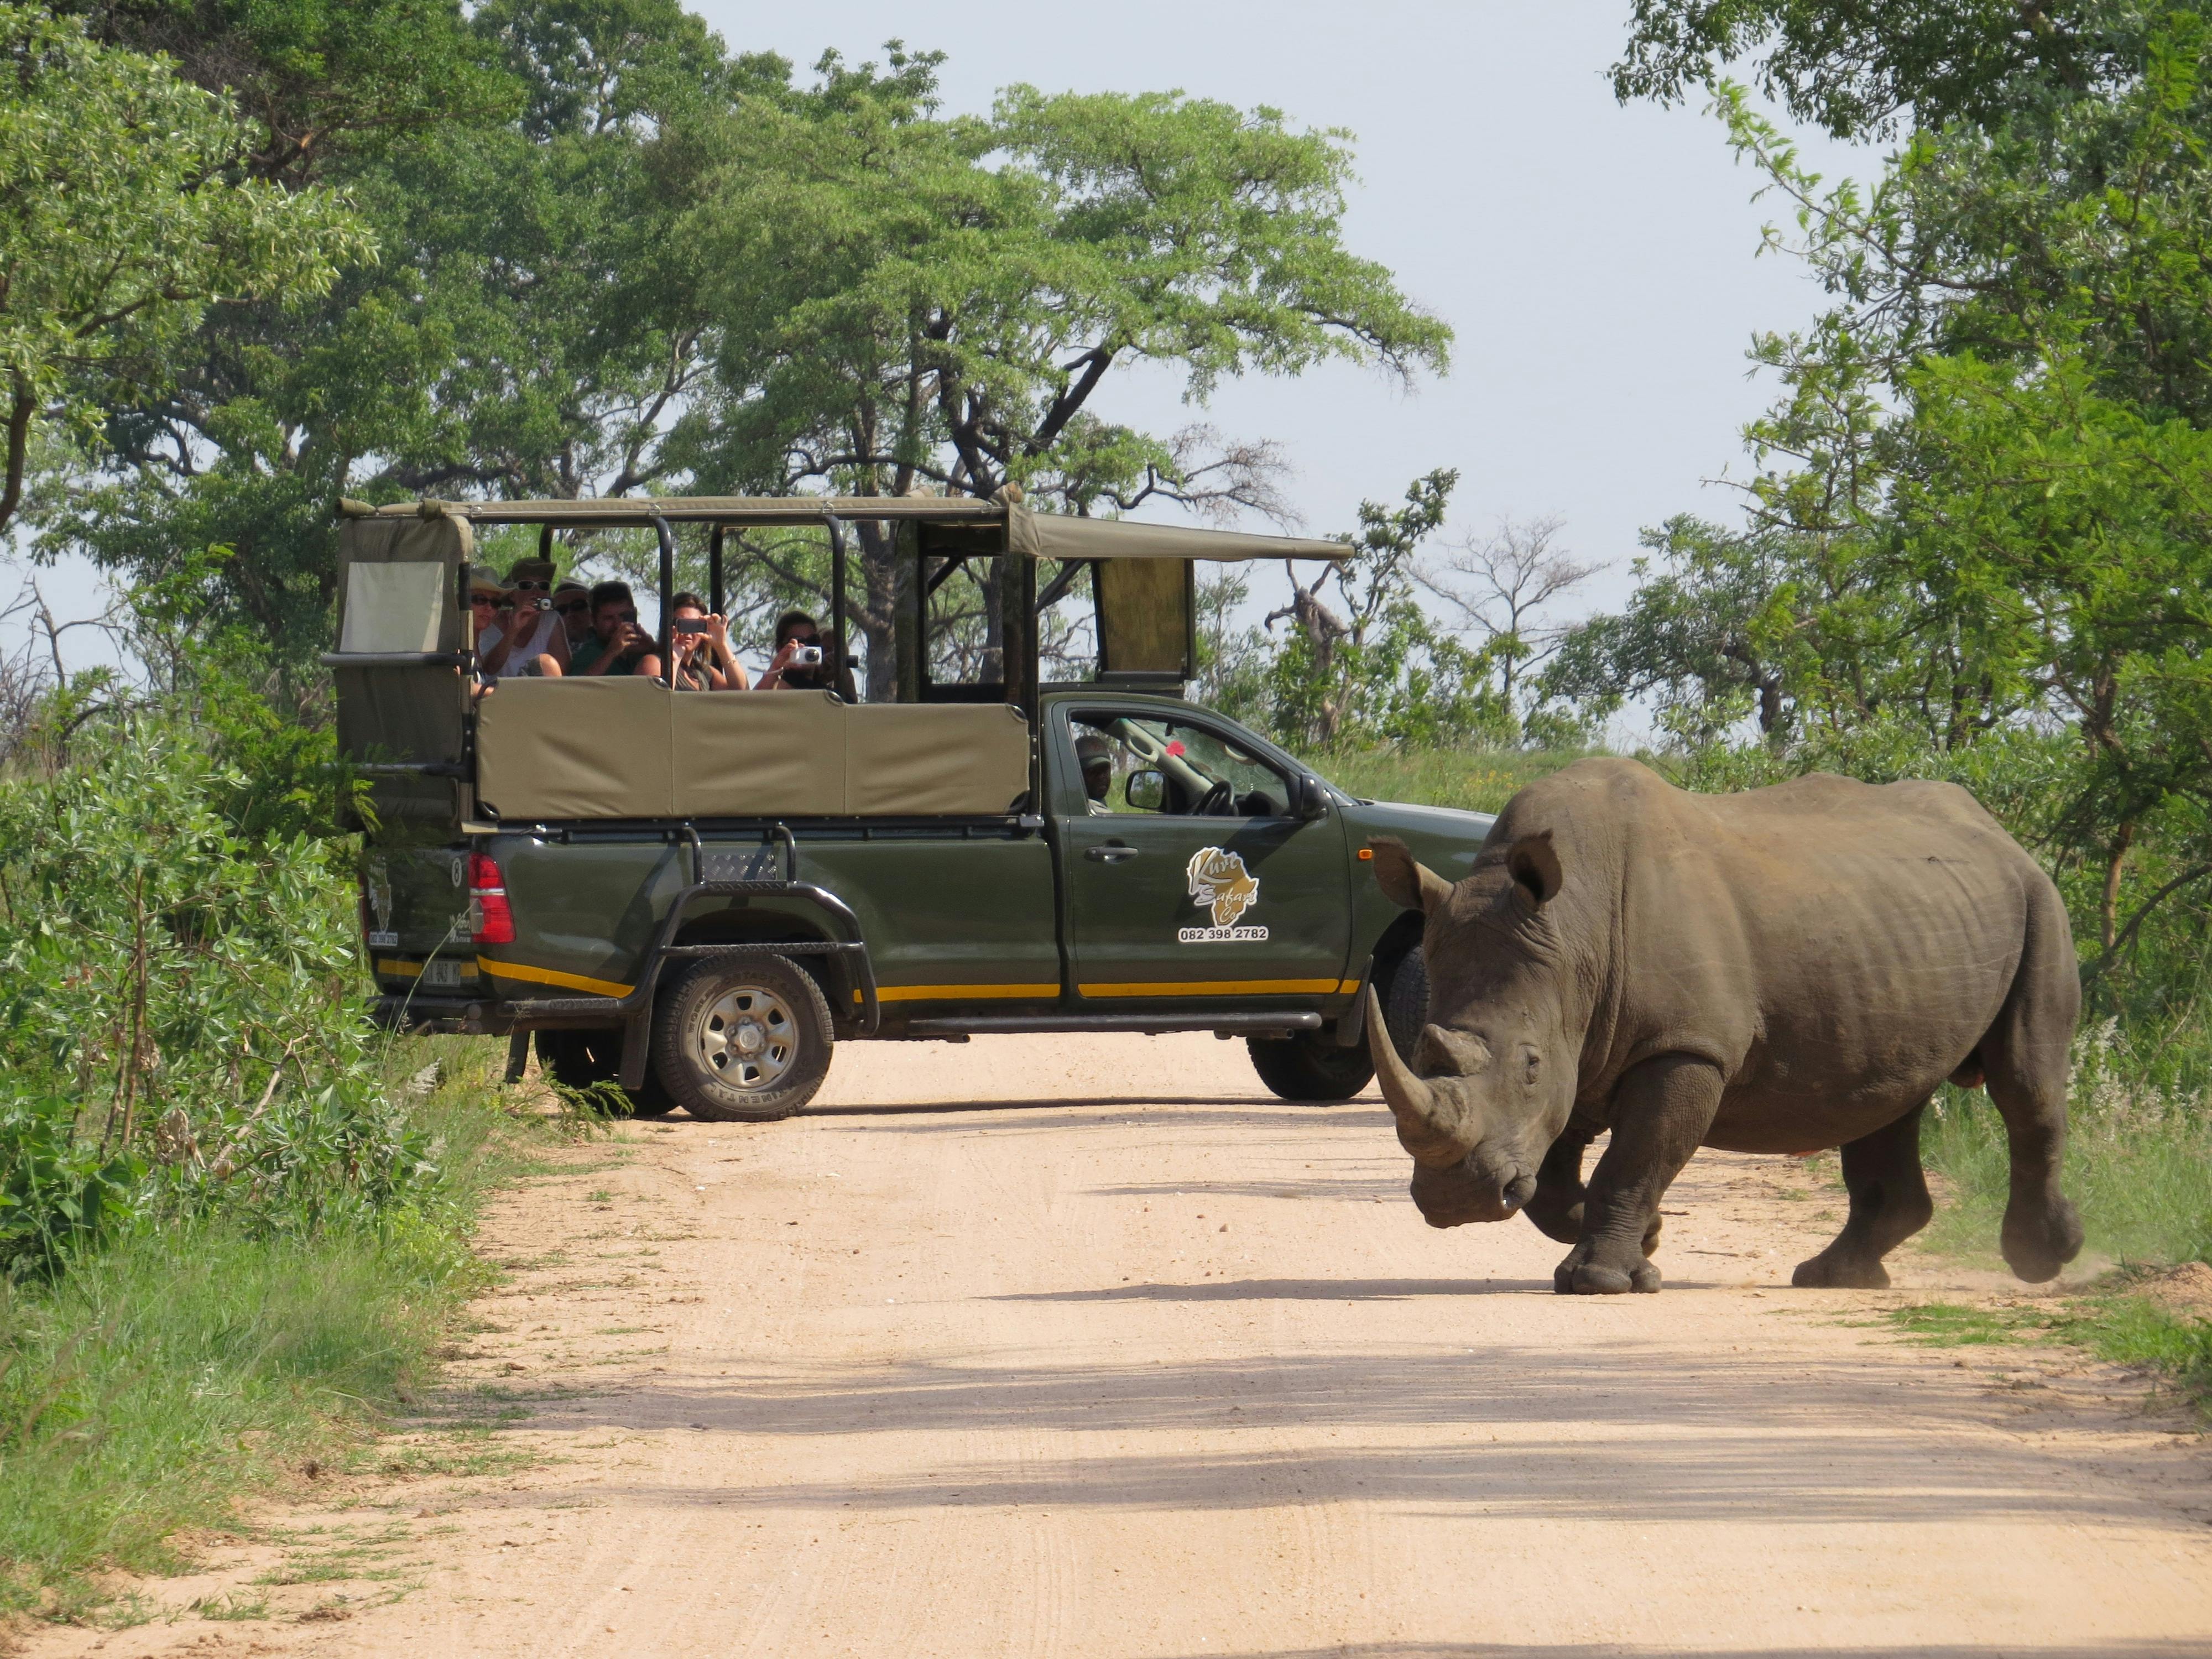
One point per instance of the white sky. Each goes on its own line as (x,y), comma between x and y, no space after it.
(1597,262)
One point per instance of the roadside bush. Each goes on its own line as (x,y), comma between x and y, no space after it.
(178,1003)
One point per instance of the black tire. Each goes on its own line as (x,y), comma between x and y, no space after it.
(743,1039)
(1406,1002)
(1309,1068)
(577,1060)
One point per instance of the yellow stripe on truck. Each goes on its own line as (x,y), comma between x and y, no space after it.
(1215,988)
(397,968)
(522,970)
(958,993)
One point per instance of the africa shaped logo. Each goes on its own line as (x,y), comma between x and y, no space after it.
(1218,880)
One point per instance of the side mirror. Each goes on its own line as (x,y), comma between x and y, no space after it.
(1309,799)
(1146,791)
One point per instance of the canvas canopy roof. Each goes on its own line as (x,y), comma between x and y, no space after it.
(1039,535)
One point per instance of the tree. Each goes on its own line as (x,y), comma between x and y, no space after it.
(121,223)
(1498,584)
(1361,663)
(922,302)
(531,327)
(1984,495)
(1854,68)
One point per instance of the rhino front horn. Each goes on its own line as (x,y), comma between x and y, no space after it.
(1413,1102)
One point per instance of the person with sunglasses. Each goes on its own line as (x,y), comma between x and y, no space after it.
(698,648)
(533,641)
(618,645)
(486,595)
(572,604)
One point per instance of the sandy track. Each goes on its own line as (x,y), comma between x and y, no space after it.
(1115,1354)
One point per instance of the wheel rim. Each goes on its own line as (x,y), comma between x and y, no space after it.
(747,1038)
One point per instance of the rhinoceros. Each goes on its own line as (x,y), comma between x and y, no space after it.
(1783,970)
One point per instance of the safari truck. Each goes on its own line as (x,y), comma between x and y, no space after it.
(695,894)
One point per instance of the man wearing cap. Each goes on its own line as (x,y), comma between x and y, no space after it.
(1096,755)
(532,640)
(572,604)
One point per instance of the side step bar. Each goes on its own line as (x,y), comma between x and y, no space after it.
(1227,1024)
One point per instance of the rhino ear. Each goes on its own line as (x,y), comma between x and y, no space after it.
(1534,863)
(1404,879)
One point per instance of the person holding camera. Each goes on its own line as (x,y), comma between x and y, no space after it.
(618,645)
(530,638)
(699,656)
(797,665)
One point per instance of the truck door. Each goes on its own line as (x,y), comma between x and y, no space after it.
(1185,873)
(403,698)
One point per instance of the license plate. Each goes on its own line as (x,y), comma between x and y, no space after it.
(384,941)
(441,973)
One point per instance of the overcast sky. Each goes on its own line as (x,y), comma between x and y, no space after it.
(1597,263)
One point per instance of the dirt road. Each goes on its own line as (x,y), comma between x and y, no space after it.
(1106,1351)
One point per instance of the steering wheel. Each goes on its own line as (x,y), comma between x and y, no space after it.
(1214,803)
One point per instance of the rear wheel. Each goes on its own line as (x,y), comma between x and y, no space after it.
(577,1060)
(1309,1066)
(743,1040)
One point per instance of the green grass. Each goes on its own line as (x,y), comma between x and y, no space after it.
(2110,1323)
(162,1379)
(2141,1178)
(1473,780)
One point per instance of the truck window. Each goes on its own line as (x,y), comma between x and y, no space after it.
(1180,768)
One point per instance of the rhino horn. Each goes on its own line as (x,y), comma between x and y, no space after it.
(1413,1102)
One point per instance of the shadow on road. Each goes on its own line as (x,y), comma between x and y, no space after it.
(1057,1106)
(2155,1649)
(1511,1433)
(1291,1290)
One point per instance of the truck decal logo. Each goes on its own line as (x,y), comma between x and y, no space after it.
(1219,884)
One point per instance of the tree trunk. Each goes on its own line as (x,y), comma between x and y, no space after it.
(2108,912)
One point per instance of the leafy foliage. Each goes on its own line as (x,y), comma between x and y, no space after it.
(121,222)
(174,1013)
(1978,528)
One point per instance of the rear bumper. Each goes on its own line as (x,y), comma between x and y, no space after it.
(422,1016)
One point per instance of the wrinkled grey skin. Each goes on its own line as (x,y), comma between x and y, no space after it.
(1783,970)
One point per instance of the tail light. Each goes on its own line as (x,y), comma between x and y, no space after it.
(489,919)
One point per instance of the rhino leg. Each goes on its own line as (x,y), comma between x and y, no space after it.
(1556,1206)
(1889,1203)
(1661,1111)
(2024,1056)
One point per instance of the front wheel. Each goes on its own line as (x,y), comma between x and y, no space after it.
(1309,1068)
(743,1040)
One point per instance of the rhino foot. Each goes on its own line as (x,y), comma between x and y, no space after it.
(2038,1242)
(1830,1271)
(1594,1279)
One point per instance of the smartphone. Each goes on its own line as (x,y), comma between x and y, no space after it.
(687,625)
(807,656)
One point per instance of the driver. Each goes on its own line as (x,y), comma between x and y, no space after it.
(1096,755)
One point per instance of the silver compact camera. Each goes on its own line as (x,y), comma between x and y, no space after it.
(807,656)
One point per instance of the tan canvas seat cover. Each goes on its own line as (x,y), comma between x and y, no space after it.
(585,747)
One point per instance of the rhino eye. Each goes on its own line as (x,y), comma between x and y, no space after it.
(1531,1063)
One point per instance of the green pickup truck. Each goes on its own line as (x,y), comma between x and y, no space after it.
(695,894)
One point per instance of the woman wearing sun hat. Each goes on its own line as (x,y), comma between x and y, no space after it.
(529,640)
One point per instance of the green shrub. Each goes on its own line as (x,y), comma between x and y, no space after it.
(184,994)
(59,1194)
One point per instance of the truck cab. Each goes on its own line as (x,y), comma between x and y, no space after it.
(695,895)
